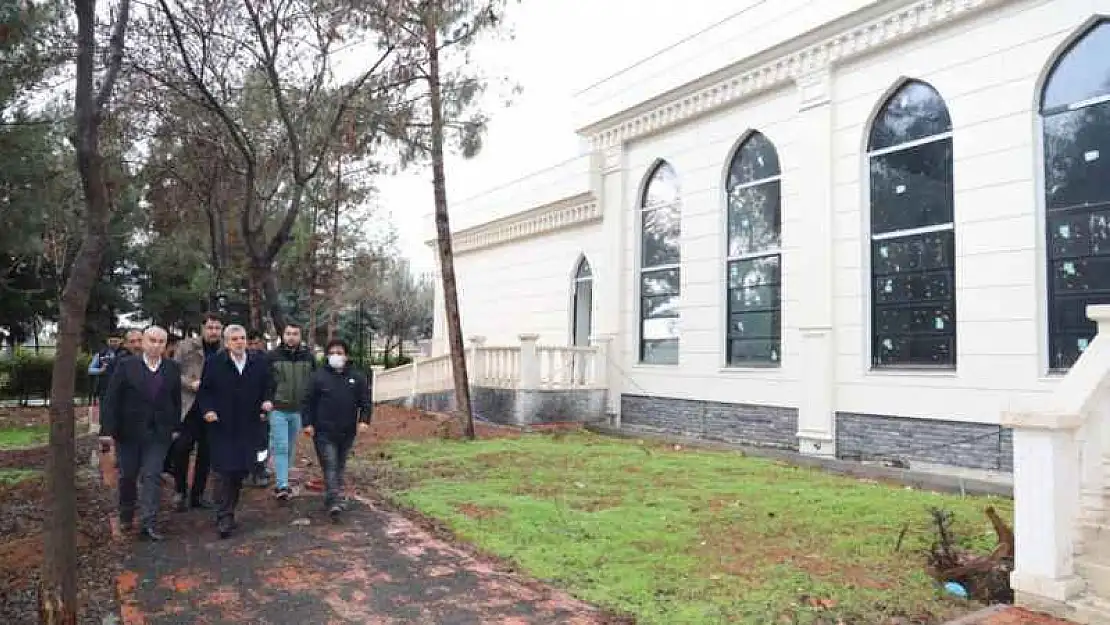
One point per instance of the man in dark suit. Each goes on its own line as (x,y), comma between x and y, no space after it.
(141,414)
(234,390)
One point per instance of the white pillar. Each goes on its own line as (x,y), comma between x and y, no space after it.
(374,371)
(475,360)
(604,345)
(529,363)
(610,285)
(415,390)
(1046,504)
(817,369)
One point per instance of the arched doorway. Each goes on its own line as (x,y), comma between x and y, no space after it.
(582,304)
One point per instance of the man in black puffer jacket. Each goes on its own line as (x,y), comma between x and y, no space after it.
(336,407)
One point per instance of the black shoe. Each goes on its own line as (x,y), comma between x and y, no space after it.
(225,533)
(179,503)
(334,511)
(283,494)
(151,535)
(201,504)
(126,521)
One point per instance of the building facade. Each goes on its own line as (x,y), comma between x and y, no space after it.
(861,228)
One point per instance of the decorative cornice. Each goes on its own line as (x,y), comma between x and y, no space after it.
(566,213)
(742,81)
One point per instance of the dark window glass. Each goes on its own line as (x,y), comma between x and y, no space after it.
(755,160)
(583,270)
(914,112)
(1077,156)
(754,231)
(662,188)
(912,188)
(913,272)
(754,218)
(1082,73)
(754,316)
(1077,192)
(662,228)
(660,289)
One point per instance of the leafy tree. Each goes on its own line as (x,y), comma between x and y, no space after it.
(434,37)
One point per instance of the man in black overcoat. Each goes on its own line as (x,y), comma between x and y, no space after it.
(141,414)
(234,390)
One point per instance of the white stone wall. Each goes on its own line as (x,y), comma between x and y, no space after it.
(987,70)
(986,66)
(521,288)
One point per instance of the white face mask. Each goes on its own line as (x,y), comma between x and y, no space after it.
(336,361)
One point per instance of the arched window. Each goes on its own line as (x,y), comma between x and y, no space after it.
(754,190)
(913,255)
(660,226)
(1075,110)
(582,321)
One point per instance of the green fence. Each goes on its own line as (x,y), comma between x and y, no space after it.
(25,378)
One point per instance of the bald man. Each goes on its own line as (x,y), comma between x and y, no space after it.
(141,415)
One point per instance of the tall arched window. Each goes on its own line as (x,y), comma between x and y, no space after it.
(754,190)
(913,256)
(660,226)
(1075,109)
(582,321)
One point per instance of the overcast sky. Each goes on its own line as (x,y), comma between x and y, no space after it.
(561,47)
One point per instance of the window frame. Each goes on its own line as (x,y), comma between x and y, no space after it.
(642,208)
(728,335)
(1049,297)
(871,238)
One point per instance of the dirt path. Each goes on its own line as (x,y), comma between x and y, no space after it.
(289,564)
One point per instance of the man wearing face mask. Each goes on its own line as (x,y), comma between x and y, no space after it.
(336,407)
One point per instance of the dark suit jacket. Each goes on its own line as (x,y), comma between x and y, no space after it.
(237,399)
(130,411)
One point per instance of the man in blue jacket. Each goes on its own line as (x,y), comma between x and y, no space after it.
(336,407)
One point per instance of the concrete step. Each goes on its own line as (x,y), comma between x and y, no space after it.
(1096,574)
(1090,610)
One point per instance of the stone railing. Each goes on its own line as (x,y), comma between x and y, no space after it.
(1060,477)
(527,366)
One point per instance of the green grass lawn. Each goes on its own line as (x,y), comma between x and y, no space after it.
(15,476)
(684,536)
(11,438)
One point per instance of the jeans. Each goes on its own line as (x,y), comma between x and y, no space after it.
(332,450)
(140,474)
(228,488)
(284,427)
(193,435)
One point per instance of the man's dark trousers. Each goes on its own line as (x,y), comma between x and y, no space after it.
(140,474)
(228,487)
(332,451)
(193,435)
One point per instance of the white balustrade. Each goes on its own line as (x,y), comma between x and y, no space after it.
(526,366)
(1060,479)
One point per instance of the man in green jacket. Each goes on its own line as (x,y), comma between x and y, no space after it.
(292,365)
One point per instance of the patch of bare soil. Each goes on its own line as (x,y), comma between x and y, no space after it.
(23,514)
(23,416)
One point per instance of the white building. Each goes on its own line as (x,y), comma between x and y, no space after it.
(856,227)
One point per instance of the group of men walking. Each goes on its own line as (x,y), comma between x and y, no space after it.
(233,407)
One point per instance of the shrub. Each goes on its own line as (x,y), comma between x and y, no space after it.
(28,375)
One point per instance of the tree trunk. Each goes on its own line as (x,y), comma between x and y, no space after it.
(443,237)
(58,590)
(273,302)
